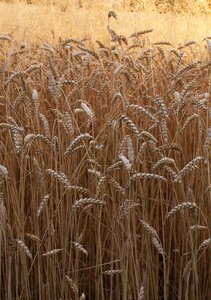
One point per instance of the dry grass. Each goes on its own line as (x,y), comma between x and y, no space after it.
(161,6)
(48,23)
(104,184)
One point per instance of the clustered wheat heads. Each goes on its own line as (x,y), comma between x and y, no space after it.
(98,153)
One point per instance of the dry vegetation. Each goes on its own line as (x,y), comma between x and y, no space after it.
(61,19)
(34,24)
(161,6)
(105,183)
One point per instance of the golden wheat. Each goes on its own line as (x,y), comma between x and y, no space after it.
(102,154)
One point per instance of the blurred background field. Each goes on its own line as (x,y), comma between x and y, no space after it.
(174,21)
(161,6)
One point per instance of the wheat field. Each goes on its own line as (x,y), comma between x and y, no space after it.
(105,182)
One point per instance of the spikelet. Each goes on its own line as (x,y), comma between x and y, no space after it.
(73,286)
(6,125)
(206,243)
(35,95)
(121,150)
(3,171)
(117,186)
(191,166)
(51,229)
(34,67)
(99,186)
(197,227)
(204,96)
(158,245)
(172,146)
(160,103)
(115,166)
(93,162)
(173,174)
(149,144)
(7,38)
(38,172)
(148,176)
(74,41)
(17,139)
(29,137)
(124,209)
(92,53)
(88,111)
(118,69)
(53,85)
(131,125)
(208,140)
(119,96)
(112,272)
(35,101)
(82,297)
(112,14)
(95,145)
(139,33)
(189,119)
(94,172)
(114,36)
(125,161)
(177,97)
(187,44)
(47,47)
(62,177)
(43,204)
(186,69)
(165,43)
(12,77)
(182,206)
(59,84)
(149,229)
(145,135)
(154,237)
(56,143)
(79,247)
(208,189)
(163,161)
(33,237)
(68,123)
(46,125)
(144,111)
(87,201)
(78,148)
(11,120)
(52,252)
(24,247)
(46,141)
(141,293)
(164,130)
(19,100)
(130,150)
(81,137)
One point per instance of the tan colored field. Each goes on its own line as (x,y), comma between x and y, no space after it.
(105,182)
(49,23)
